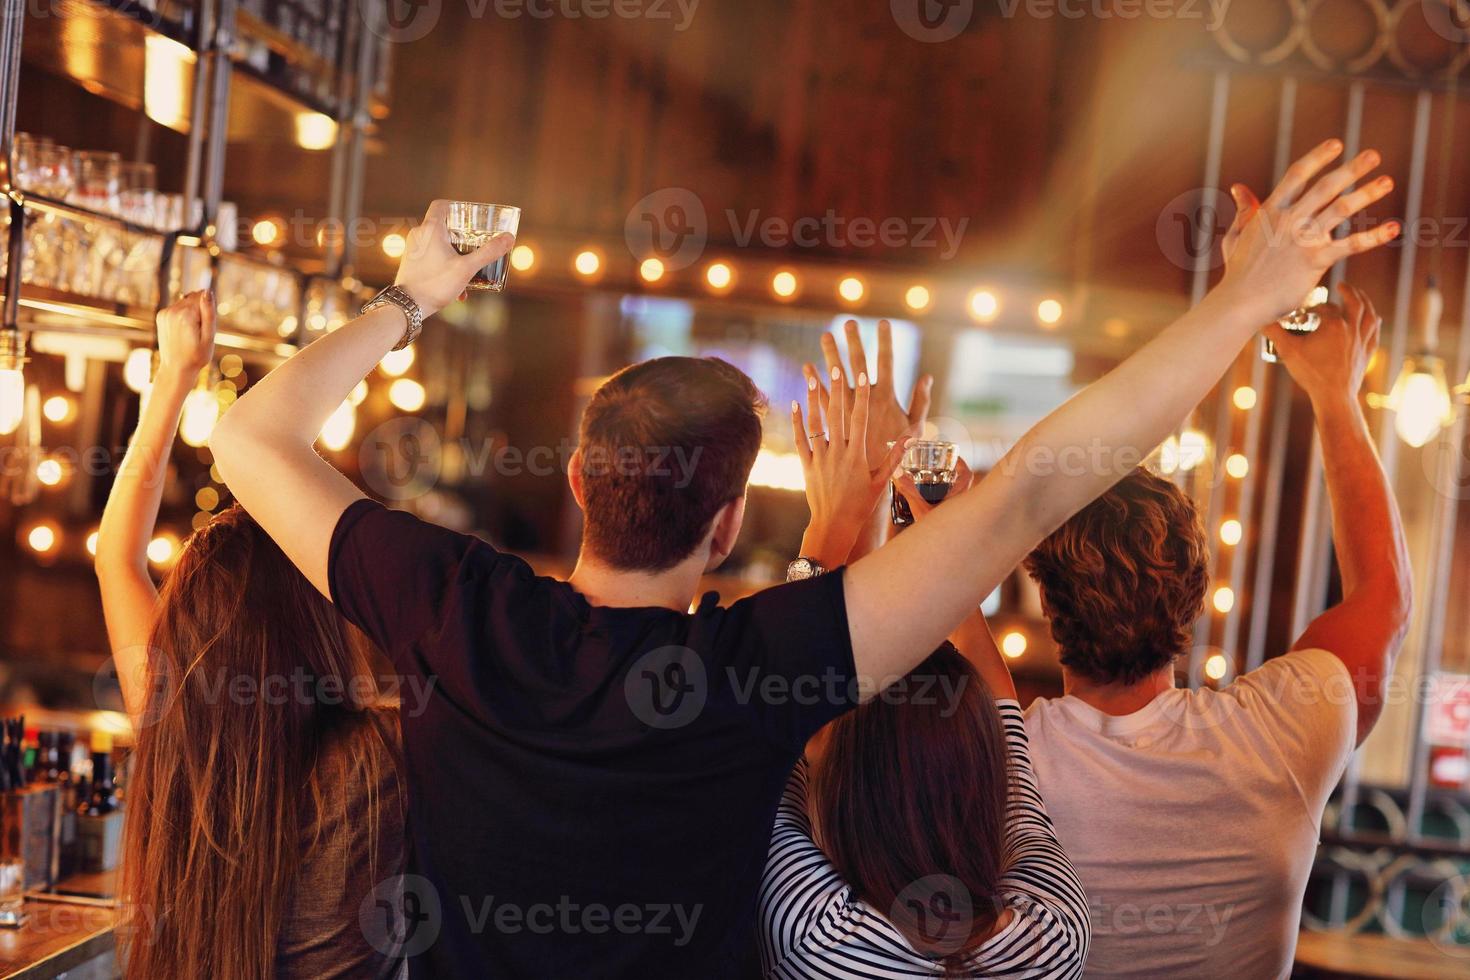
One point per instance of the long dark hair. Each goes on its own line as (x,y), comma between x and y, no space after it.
(223,788)
(913,789)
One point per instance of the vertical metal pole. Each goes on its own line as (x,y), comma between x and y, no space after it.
(219,111)
(357,154)
(10,40)
(1215,148)
(204,43)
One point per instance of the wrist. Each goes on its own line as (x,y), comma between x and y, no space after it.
(176,377)
(828,543)
(420,296)
(1334,403)
(1241,309)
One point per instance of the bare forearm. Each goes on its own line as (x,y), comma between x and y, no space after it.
(1367,530)
(131,513)
(974,639)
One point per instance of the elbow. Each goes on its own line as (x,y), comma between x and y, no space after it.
(227,444)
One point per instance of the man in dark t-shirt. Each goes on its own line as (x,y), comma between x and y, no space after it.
(594,773)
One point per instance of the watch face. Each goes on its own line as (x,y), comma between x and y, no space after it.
(802,568)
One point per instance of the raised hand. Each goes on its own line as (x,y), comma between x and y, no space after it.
(186,334)
(889,421)
(843,483)
(1332,361)
(1282,248)
(432,272)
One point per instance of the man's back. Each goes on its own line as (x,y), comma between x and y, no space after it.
(591,789)
(1193,822)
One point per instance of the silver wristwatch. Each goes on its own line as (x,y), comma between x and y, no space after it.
(397,296)
(804,568)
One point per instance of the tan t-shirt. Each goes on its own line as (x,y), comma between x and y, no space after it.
(1193,823)
(359,849)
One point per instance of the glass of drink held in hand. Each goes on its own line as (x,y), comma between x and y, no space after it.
(1303,319)
(471,225)
(932,466)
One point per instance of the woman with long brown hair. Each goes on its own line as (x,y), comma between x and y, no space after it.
(911,840)
(264,805)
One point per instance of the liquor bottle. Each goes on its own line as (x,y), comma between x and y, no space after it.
(103,798)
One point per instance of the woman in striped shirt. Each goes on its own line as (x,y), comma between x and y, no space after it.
(912,841)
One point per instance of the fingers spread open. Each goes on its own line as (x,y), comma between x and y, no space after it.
(1350,204)
(857,428)
(1300,172)
(1326,190)
(832,356)
(889,464)
(857,357)
(837,416)
(919,400)
(814,417)
(884,380)
(1363,241)
(798,434)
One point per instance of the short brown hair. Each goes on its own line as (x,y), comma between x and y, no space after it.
(665,444)
(1124,580)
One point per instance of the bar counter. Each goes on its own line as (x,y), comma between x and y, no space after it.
(60,937)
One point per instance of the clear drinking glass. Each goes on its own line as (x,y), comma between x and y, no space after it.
(932,466)
(471,225)
(12,887)
(1303,319)
(99,181)
(139,183)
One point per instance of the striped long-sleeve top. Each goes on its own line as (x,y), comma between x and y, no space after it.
(812,925)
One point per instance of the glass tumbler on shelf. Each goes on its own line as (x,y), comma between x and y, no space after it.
(472,225)
(1303,319)
(932,466)
(139,183)
(99,181)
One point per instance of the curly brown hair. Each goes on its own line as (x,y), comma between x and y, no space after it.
(1124,580)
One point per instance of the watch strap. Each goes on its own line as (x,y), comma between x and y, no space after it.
(397,296)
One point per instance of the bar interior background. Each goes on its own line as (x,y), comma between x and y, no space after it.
(1056,184)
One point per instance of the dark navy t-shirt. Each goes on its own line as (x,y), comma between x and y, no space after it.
(591,790)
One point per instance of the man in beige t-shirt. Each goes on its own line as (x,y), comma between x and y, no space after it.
(1192,816)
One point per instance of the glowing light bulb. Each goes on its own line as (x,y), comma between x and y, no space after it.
(1230,531)
(315,131)
(166,73)
(266,232)
(161,549)
(394,245)
(58,408)
(201,412)
(396,362)
(719,275)
(138,369)
(49,472)
(1224,599)
(1013,644)
(1216,666)
(522,257)
(651,270)
(1421,400)
(1049,312)
(207,498)
(1237,466)
(917,298)
(851,289)
(783,284)
(359,394)
(12,399)
(337,432)
(1244,398)
(587,263)
(42,538)
(983,305)
(407,395)
(1169,455)
(92,544)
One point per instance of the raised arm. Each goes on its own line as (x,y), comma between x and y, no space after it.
(905,597)
(185,345)
(264,444)
(1365,629)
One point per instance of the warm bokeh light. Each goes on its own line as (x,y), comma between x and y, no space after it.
(337,432)
(49,472)
(396,362)
(1169,455)
(315,130)
(43,538)
(917,298)
(587,263)
(359,394)
(1230,531)
(1216,666)
(161,549)
(231,365)
(407,395)
(1194,446)
(58,408)
(138,369)
(783,284)
(1116,327)
(1049,312)
(1013,644)
(201,413)
(167,68)
(522,257)
(266,232)
(394,245)
(779,471)
(92,544)
(12,399)
(1237,466)
(207,498)
(651,270)
(1224,599)
(719,275)
(851,289)
(983,305)
(1244,398)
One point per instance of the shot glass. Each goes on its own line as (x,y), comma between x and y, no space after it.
(932,466)
(1300,320)
(472,225)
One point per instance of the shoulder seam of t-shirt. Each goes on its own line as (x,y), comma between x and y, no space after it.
(349,517)
(1301,656)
